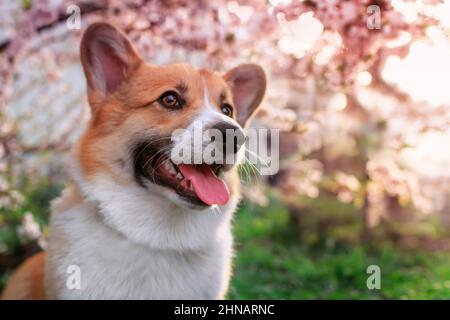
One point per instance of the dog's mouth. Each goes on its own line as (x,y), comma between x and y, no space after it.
(196,183)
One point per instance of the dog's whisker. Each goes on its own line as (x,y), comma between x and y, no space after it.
(246,175)
(257,156)
(148,144)
(162,150)
(255,169)
(159,163)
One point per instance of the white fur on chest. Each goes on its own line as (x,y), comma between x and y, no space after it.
(171,253)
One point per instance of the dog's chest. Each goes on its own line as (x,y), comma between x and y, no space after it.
(112,267)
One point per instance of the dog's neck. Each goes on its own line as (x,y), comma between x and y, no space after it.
(191,249)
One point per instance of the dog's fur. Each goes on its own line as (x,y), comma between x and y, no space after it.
(135,239)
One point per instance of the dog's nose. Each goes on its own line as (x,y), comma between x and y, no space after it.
(232,136)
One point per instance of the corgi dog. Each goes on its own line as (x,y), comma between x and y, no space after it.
(132,223)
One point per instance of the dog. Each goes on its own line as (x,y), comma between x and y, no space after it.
(132,223)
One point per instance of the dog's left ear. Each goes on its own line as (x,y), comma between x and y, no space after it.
(248,84)
(108,58)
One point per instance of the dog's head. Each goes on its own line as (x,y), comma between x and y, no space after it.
(173,130)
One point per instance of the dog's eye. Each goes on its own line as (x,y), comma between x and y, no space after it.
(171,100)
(227,109)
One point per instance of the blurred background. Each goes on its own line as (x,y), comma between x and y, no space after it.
(360,90)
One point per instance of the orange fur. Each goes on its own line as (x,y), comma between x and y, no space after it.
(27,282)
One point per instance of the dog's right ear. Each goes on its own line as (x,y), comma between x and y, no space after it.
(108,58)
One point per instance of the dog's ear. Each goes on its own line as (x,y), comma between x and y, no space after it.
(108,58)
(248,84)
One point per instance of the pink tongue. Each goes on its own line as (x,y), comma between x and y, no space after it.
(207,186)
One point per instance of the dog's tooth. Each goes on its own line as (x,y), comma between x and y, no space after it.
(179,175)
(166,165)
(169,167)
(172,169)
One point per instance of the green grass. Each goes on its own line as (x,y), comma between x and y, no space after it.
(271,263)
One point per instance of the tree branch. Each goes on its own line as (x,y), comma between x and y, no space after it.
(85,8)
